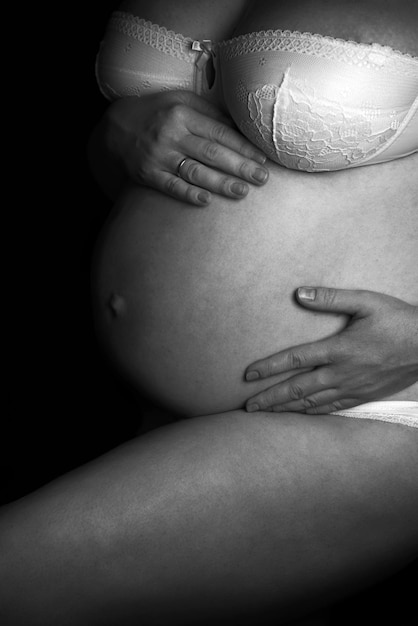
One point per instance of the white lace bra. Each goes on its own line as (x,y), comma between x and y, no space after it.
(310,102)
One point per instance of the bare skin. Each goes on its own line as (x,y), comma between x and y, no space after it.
(219,520)
(212,291)
(365,22)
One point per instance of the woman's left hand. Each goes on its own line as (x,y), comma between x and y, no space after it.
(375,355)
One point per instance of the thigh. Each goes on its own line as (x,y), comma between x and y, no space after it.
(225,517)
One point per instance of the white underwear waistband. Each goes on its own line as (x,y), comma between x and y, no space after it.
(396,412)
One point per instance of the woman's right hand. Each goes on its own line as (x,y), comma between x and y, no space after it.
(153,135)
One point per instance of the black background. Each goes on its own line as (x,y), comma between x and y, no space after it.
(62,403)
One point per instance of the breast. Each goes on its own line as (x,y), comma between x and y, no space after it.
(186,298)
(315,103)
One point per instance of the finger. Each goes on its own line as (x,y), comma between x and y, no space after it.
(218,132)
(224,159)
(315,403)
(337,405)
(200,175)
(305,356)
(180,189)
(352,302)
(294,389)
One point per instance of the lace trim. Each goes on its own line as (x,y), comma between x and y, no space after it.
(158,37)
(392,418)
(366,55)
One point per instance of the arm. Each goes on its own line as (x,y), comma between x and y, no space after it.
(375,356)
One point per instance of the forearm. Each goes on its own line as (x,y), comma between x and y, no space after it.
(215,516)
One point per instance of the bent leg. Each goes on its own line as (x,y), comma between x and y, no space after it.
(214,519)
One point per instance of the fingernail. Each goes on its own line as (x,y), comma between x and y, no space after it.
(306,293)
(253,375)
(260,158)
(203,197)
(251,408)
(259,175)
(239,189)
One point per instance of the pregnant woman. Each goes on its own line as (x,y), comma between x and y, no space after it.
(237,517)
(186,299)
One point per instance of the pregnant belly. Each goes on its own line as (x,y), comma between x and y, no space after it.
(186,298)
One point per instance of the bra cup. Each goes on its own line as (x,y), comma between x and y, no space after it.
(310,106)
(403,143)
(133,68)
(137,57)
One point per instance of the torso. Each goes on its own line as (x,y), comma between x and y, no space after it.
(209,291)
(187,298)
(210,19)
(365,22)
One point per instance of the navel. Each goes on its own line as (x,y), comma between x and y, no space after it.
(116,305)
